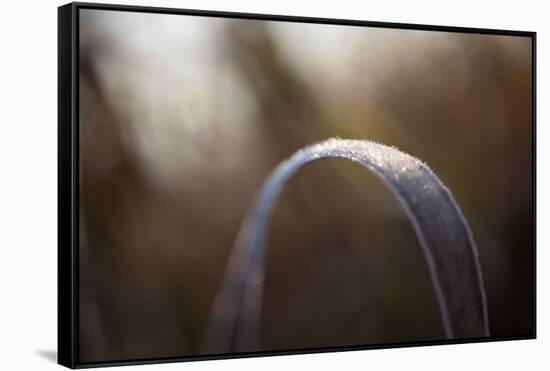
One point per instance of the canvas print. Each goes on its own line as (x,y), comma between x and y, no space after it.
(254,185)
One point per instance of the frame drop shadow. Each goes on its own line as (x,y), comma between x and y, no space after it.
(50,355)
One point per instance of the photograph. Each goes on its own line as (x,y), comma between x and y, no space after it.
(210,185)
(254,185)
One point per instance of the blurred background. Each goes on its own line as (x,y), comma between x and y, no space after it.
(182,118)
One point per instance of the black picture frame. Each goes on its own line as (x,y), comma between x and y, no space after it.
(68,176)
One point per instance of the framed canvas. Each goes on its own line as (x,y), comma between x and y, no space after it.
(236,185)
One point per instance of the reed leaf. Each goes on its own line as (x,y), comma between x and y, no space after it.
(441,229)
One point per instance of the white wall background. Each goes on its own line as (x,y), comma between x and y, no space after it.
(28,183)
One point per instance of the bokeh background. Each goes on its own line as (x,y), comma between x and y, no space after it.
(182,118)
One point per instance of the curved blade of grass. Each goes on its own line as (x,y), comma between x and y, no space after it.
(440,227)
